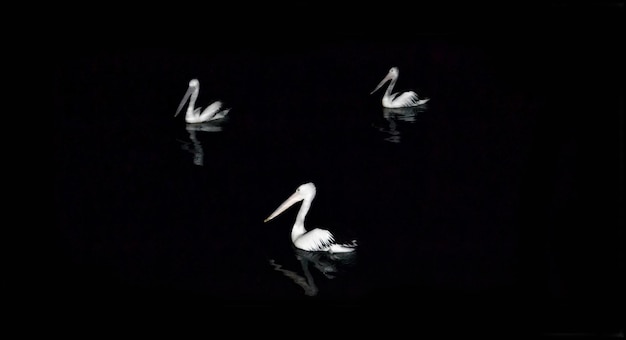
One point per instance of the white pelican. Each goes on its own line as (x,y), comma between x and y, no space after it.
(193,115)
(397,100)
(313,240)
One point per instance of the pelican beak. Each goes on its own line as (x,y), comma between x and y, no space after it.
(182,102)
(294,198)
(382,82)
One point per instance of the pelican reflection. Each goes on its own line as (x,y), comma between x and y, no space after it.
(397,119)
(194,146)
(329,264)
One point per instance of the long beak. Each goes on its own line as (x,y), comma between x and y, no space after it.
(382,82)
(294,198)
(182,102)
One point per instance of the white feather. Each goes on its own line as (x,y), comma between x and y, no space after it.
(398,100)
(313,240)
(197,115)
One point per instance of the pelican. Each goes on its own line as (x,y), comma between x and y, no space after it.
(397,100)
(193,115)
(315,239)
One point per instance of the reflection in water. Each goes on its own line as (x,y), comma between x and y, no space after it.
(206,126)
(195,146)
(328,264)
(397,118)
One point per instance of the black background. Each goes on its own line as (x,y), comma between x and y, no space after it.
(566,59)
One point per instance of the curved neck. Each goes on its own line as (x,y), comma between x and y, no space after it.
(192,100)
(392,83)
(298,227)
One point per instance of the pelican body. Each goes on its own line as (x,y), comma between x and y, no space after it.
(398,99)
(315,239)
(196,115)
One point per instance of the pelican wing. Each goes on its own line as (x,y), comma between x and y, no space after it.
(214,107)
(406,99)
(221,114)
(210,111)
(315,240)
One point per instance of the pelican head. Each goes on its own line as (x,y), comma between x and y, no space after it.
(392,74)
(303,192)
(194,85)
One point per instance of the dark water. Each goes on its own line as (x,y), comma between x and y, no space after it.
(468,201)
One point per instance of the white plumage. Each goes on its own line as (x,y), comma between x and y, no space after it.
(397,100)
(196,115)
(315,239)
